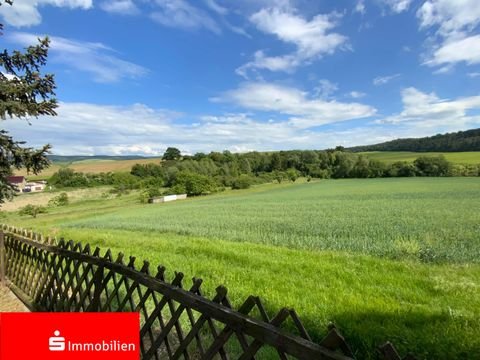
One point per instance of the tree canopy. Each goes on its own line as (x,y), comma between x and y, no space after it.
(24,93)
(171,154)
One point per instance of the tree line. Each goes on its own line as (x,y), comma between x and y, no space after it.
(208,173)
(458,141)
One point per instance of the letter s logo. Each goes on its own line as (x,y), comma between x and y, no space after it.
(56,343)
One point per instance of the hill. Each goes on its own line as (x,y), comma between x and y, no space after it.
(389,157)
(459,141)
(90,164)
(73,158)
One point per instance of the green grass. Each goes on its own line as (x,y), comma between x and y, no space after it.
(349,251)
(429,219)
(468,157)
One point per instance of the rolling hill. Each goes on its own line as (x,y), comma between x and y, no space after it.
(451,142)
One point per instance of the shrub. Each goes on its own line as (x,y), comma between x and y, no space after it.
(242,182)
(193,184)
(432,165)
(149,193)
(59,200)
(32,210)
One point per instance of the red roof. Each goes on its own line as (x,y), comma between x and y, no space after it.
(16,179)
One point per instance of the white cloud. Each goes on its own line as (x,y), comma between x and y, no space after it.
(94,58)
(360,7)
(213,5)
(312,39)
(88,129)
(123,7)
(382,80)
(450,16)
(325,89)
(451,52)
(25,12)
(181,14)
(454,41)
(92,129)
(356,94)
(424,110)
(397,6)
(285,63)
(473,74)
(304,111)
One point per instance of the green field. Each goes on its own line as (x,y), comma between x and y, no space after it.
(469,157)
(385,259)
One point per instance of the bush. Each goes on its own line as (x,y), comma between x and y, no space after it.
(242,182)
(59,200)
(432,166)
(402,169)
(193,184)
(32,210)
(149,193)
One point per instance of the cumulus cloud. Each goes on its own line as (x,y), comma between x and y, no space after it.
(427,110)
(89,129)
(304,111)
(455,40)
(25,12)
(97,59)
(465,50)
(312,39)
(181,14)
(92,129)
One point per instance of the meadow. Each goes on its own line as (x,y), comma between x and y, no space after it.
(466,157)
(385,259)
(93,166)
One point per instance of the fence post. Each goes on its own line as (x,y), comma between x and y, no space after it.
(98,283)
(2,259)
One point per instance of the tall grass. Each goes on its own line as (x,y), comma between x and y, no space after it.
(433,220)
(385,259)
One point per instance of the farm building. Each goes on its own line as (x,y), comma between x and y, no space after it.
(18,182)
(34,186)
(167,198)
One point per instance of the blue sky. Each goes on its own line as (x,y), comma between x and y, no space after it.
(137,76)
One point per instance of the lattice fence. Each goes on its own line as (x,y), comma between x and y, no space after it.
(176,322)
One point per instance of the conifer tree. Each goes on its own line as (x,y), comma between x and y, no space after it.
(24,93)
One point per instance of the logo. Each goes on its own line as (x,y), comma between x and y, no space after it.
(70,336)
(57,342)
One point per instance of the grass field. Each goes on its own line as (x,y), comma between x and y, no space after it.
(385,259)
(90,166)
(471,157)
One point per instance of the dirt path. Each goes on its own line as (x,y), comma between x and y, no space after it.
(9,302)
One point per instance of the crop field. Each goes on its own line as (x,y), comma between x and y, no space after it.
(468,157)
(90,166)
(384,259)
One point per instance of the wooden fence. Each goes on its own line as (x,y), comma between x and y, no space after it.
(176,322)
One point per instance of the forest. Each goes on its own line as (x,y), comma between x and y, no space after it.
(457,141)
(208,173)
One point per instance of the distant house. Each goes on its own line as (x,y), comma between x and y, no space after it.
(34,186)
(167,198)
(18,182)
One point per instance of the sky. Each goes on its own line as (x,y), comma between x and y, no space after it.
(137,76)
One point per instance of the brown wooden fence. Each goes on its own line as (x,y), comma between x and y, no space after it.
(176,322)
